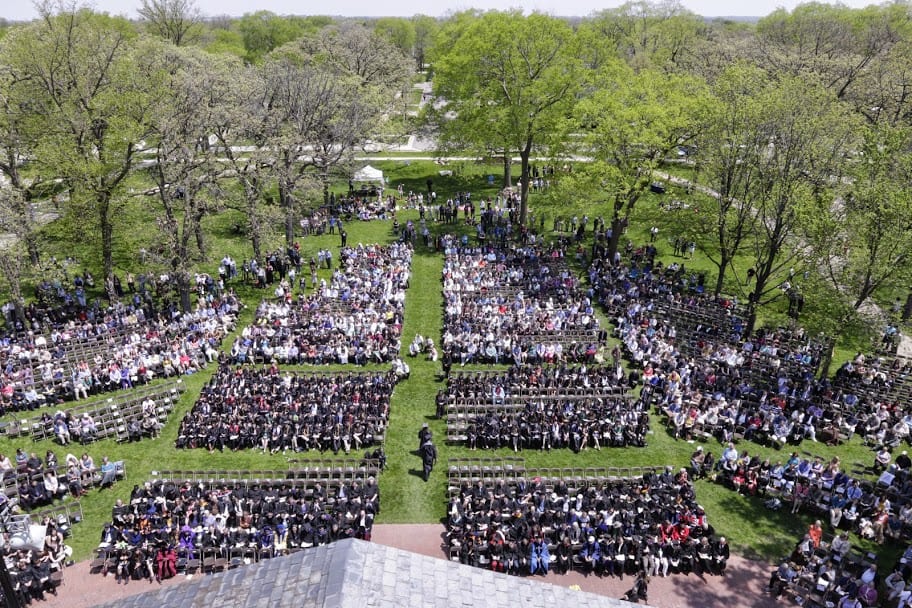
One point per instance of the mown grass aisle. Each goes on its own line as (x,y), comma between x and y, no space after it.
(406,496)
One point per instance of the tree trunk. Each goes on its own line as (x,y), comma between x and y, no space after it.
(200,238)
(720,278)
(753,301)
(507,171)
(255,237)
(288,205)
(524,184)
(19,311)
(31,245)
(751,318)
(254,230)
(183,289)
(617,224)
(107,235)
(907,308)
(827,360)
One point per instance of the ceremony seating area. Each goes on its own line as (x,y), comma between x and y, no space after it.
(604,521)
(184,522)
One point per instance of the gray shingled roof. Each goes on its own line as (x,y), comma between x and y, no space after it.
(357,574)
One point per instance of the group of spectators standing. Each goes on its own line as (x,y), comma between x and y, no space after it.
(266,409)
(354,318)
(650,525)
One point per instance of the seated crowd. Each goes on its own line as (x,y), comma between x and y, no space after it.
(557,424)
(37,569)
(824,571)
(874,397)
(710,379)
(651,524)
(168,527)
(521,305)
(355,318)
(117,351)
(144,417)
(243,408)
(875,511)
(535,407)
(30,482)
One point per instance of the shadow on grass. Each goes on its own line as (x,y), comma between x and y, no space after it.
(772,534)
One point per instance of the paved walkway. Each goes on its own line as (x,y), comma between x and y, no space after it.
(741,587)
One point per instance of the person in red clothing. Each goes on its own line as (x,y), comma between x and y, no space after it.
(668,531)
(815,531)
(166,560)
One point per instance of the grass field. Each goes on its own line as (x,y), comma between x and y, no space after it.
(405,496)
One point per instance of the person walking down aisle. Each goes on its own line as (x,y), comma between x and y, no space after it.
(424,435)
(428,457)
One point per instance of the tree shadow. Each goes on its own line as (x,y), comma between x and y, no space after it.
(776,532)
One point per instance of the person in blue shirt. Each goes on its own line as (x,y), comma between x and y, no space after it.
(590,554)
(539,557)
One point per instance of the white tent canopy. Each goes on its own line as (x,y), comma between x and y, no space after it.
(369,174)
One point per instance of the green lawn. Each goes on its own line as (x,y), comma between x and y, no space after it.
(406,497)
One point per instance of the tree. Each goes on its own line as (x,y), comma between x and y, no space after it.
(805,136)
(80,68)
(314,115)
(186,167)
(240,117)
(720,45)
(352,49)
(655,35)
(15,256)
(14,267)
(264,31)
(224,41)
(730,153)
(398,31)
(174,20)
(883,93)
(18,133)
(425,29)
(832,43)
(321,97)
(630,126)
(509,81)
(863,241)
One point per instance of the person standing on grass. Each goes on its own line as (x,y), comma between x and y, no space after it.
(424,435)
(428,457)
